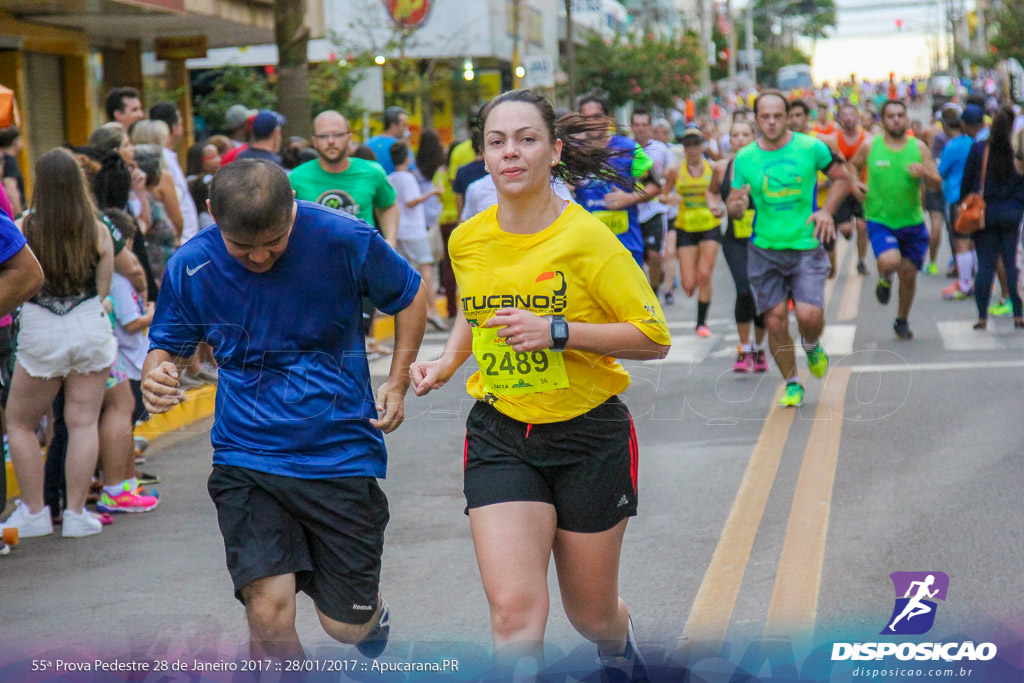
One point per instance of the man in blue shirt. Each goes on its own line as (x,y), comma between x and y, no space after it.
(21,277)
(615,203)
(298,436)
(396,127)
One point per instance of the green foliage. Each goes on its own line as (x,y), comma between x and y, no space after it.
(229,85)
(1008,41)
(810,18)
(638,68)
(155,90)
(330,86)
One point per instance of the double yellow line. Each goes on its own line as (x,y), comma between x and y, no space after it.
(794,600)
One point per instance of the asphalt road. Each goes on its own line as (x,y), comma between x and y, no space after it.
(752,520)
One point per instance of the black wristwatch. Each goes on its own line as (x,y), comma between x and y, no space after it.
(559,332)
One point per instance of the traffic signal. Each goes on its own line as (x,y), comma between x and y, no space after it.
(899,24)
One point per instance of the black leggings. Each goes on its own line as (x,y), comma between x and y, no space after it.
(735,252)
(997,238)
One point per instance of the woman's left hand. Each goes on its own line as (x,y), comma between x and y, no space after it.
(523,330)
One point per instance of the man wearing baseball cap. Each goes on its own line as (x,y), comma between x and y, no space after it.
(266,137)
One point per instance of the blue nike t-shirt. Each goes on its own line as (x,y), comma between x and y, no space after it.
(294,396)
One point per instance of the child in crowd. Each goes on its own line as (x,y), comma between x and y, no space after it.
(117,422)
(413,239)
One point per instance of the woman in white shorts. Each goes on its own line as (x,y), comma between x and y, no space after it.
(66,338)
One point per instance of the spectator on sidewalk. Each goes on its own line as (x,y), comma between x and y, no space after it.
(124,106)
(13,181)
(65,339)
(266,138)
(413,239)
(169,114)
(396,127)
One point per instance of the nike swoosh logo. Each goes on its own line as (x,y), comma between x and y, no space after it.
(192,271)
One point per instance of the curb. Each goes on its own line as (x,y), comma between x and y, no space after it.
(198,404)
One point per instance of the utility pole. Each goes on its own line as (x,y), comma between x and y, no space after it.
(570,53)
(751,68)
(708,48)
(732,40)
(516,28)
(982,32)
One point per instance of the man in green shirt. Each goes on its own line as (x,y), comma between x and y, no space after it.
(896,164)
(347,184)
(787,256)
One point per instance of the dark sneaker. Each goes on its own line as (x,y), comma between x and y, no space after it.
(629,666)
(883,290)
(902,328)
(861,268)
(670,298)
(376,640)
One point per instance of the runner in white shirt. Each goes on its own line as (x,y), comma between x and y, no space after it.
(651,215)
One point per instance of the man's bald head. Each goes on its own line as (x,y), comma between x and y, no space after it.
(331,135)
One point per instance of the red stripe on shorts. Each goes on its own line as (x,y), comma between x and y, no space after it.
(634,454)
(465,452)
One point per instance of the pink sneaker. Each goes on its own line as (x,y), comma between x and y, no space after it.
(760,361)
(126,501)
(703,331)
(744,361)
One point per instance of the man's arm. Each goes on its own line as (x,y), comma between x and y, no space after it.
(161,389)
(21,278)
(927,170)
(410,322)
(858,163)
(840,178)
(387,219)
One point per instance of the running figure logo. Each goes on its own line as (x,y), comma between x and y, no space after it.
(914,612)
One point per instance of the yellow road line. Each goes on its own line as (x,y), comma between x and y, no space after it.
(716,598)
(849,306)
(794,603)
(712,607)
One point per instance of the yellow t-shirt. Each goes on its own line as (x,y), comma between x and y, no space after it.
(449,208)
(824,182)
(575,267)
(460,156)
(694,214)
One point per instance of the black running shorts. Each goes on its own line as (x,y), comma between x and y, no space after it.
(586,467)
(693,239)
(328,532)
(653,231)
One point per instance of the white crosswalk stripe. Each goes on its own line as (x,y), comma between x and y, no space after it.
(959,335)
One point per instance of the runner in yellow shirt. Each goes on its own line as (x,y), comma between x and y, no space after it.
(550,300)
(698,228)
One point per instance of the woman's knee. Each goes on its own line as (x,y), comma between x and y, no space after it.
(593,617)
(515,611)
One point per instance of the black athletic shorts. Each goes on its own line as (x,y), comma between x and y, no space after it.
(935,200)
(653,231)
(328,532)
(849,209)
(692,239)
(586,466)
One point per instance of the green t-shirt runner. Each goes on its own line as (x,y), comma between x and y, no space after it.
(894,196)
(783,184)
(357,190)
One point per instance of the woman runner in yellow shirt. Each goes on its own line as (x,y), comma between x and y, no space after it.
(698,227)
(549,300)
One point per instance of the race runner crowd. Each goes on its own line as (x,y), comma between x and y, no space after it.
(554,240)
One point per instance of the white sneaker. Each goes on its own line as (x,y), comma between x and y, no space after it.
(78,524)
(27,524)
